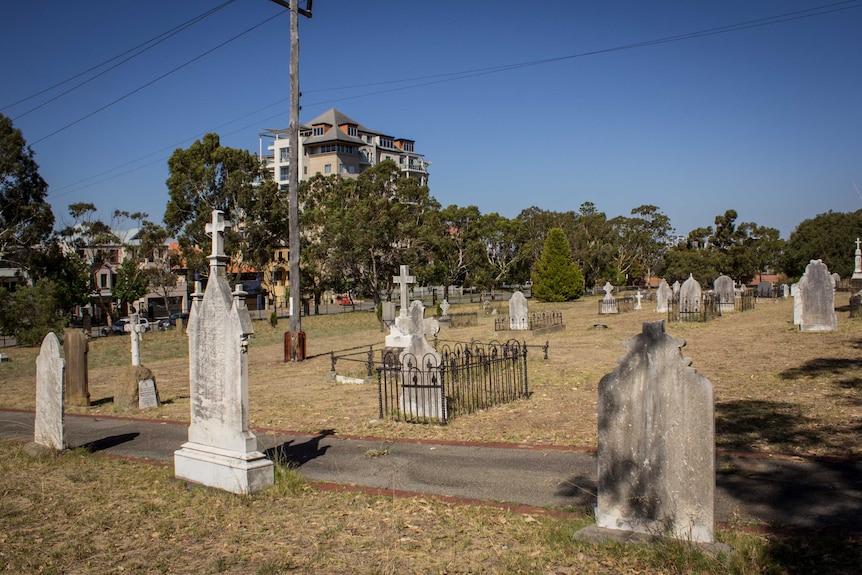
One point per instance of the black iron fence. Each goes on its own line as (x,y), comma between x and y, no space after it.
(465,378)
(709,306)
(616,305)
(538,320)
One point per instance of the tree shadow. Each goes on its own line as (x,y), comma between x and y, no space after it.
(298,454)
(739,425)
(582,490)
(108,442)
(845,372)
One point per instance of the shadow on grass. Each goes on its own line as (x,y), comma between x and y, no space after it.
(742,425)
(845,372)
(295,454)
(817,553)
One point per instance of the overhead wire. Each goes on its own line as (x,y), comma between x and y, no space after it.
(453,76)
(135,52)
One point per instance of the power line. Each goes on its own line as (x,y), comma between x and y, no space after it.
(151,82)
(464,74)
(135,52)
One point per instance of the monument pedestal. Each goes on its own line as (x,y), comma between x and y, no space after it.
(232,471)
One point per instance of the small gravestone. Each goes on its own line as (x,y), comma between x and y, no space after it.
(639,298)
(445,320)
(148,395)
(49,431)
(676,287)
(518,319)
(127,387)
(690,296)
(764,289)
(836,281)
(724,292)
(609,304)
(856,305)
(656,442)
(818,299)
(221,450)
(388,313)
(796,294)
(75,348)
(663,297)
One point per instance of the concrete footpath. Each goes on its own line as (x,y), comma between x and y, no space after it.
(774,492)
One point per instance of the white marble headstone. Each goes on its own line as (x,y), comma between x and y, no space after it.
(50,425)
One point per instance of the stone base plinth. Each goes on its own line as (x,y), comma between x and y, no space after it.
(223,469)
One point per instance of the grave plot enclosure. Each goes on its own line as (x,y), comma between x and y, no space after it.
(468,378)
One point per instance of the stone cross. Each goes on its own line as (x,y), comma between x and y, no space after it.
(639,297)
(217,228)
(857,267)
(608,288)
(858,243)
(404,279)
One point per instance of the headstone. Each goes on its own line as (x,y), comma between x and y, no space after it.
(656,442)
(221,451)
(796,293)
(127,387)
(75,348)
(836,280)
(676,287)
(639,298)
(421,387)
(388,313)
(818,299)
(609,304)
(785,291)
(444,307)
(404,280)
(856,305)
(663,296)
(518,313)
(50,426)
(148,395)
(690,296)
(724,292)
(764,289)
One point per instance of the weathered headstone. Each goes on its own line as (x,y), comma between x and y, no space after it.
(764,289)
(50,425)
(609,303)
(127,387)
(818,299)
(397,337)
(421,388)
(639,298)
(404,280)
(836,280)
(388,313)
(690,296)
(656,442)
(148,395)
(662,297)
(221,451)
(676,287)
(796,293)
(444,307)
(75,349)
(723,286)
(518,312)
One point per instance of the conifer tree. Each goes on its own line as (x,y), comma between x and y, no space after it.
(556,276)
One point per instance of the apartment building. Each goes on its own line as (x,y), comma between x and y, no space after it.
(334,143)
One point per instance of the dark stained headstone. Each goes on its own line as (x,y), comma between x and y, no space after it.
(656,442)
(75,348)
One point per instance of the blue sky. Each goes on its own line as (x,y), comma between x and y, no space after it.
(766,120)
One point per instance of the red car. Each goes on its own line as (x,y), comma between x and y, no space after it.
(344,299)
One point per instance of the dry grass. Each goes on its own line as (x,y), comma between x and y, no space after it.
(776,389)
(82,514)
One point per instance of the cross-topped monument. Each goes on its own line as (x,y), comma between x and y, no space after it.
(403,280)
(217,228)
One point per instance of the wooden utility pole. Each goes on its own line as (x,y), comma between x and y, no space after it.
(293,181)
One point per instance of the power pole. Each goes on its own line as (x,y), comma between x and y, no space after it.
(293,181)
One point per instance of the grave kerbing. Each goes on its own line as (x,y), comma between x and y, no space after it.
(656,442)
(221,451)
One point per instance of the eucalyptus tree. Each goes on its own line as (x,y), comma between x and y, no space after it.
(26,219)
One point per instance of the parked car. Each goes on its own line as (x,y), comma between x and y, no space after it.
(344,299)
(183,316)
(119,326)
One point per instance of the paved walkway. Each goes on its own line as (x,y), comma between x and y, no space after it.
(770,491)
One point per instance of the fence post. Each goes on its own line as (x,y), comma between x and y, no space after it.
(380,392)
(332,359)
(370,364)
(526,383)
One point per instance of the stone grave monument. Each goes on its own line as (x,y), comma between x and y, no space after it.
(690,296)
(817,299)
(764,289)
(856,278)
(518,312)
(639,298)
(50,425)
(656,442)
(420,395)
(609,303)
(75,349)
(221,451)
(663,297)
(398,336)
(723,286)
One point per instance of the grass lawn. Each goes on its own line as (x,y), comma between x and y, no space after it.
(777,391)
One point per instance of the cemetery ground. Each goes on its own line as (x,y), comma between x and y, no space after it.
(778,391)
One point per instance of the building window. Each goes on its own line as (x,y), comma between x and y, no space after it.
(284,155)
(318,130)
(284,173)
(351,131)
(305,170)
(369,138)
(103,281)
(386,143)
(351,169)
(327,168)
